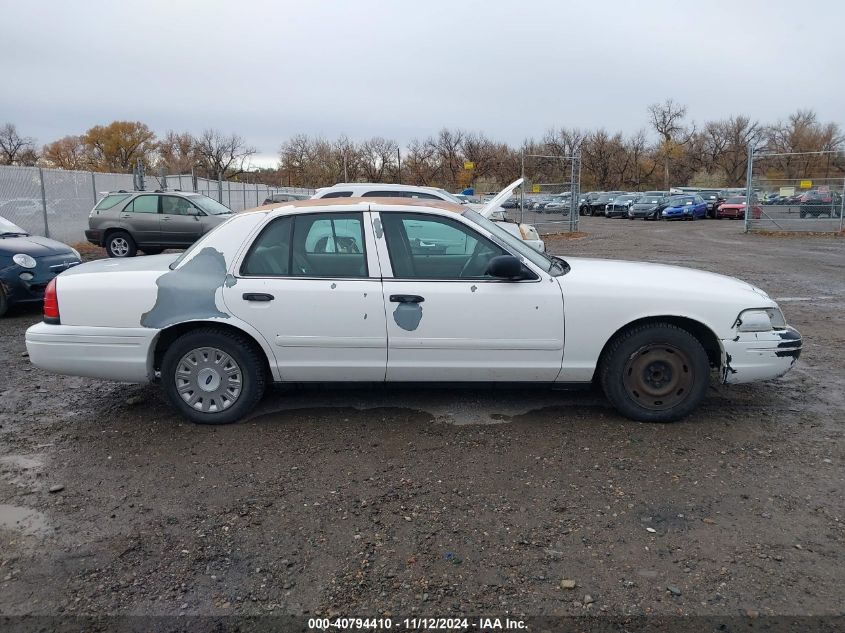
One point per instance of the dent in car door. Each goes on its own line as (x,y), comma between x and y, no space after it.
(463,329)
(322,328)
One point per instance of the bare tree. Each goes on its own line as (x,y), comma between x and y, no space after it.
(223,155)
(379,159)
(16,149)
(667,120)
(178,153)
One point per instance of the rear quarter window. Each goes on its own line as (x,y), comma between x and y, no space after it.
(111,200)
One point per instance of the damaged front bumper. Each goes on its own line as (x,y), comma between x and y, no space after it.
(752,356)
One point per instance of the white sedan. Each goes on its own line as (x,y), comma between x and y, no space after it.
(398,290)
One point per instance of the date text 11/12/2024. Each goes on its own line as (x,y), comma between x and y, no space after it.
(420,624)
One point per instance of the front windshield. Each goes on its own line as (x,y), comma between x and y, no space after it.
(648,200)
(9,228)
(625,198)
(211,207)
(679,202)
(452,197)
(740,200)
(552,265)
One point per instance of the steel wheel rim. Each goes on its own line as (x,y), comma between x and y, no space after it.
(658,376)
(208,380)
(119,246)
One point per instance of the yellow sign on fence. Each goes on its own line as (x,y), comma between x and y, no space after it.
(806,184)
(535,188)
(469,165)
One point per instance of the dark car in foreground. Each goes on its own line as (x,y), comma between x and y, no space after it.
(28,263)
(620,205)
(648,206)
(818,203)
(124,222)
(713,200)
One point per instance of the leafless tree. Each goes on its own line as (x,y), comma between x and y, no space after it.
(16,149)
(667,119)
(223,155)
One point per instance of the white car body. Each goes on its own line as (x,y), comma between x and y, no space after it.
(117,316)
(526,232)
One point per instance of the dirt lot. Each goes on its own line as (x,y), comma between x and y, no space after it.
(444,502)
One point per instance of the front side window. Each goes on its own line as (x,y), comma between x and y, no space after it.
(433,247)
(174,205)
(309,245)
(337,194)
(143,204)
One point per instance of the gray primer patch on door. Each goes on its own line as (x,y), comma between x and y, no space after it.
(187,293)
(408,316)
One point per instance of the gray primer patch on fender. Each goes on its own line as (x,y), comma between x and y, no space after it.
(188,293)
(408,316)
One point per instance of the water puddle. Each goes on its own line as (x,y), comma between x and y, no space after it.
(24,520)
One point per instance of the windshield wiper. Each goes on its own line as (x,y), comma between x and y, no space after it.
(13,234)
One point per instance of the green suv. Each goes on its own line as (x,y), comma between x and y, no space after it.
(125,222)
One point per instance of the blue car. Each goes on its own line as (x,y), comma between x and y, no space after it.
(28,263)
(685,208)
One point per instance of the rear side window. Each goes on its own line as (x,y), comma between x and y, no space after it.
(338,194)
(309,245)
(143,204)
(110,200)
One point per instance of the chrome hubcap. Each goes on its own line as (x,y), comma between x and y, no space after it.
(208,380)
(119,247)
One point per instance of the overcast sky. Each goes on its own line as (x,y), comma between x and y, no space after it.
(402,69)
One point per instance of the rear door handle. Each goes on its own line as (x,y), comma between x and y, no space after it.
(406,299)
(258,296)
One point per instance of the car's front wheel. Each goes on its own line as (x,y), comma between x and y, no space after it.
(655,373)
(213,376)
(120,244)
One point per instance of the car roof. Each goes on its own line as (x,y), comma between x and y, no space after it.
(363,204)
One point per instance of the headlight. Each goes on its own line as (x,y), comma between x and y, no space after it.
(76,253)
(760,320)
(23,260)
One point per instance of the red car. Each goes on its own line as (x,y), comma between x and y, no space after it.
(734,208)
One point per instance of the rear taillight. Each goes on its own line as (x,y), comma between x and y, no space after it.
(51,303)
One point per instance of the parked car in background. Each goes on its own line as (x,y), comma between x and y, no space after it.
(127,221)
(620,205)
(585,199)
(28,263)
(816,204)
(559,204)
(526,232)
(418,291)
(684,208)
(596,206)
(713,201)
(734,208)
(283,196)
(648,206)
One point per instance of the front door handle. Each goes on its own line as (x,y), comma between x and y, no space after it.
(406,299)
(258,296)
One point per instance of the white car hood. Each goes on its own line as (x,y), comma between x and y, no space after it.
(652,280)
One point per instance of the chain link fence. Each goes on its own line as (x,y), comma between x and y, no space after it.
(56,202)
(795,191)
(549,198)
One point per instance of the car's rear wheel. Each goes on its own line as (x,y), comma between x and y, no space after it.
(120,244)
(655,373)
(213,376)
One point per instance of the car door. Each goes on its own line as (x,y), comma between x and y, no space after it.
(447,320)
(142,219)
(310,283)
(180,221)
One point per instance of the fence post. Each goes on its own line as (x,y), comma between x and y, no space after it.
(94,188)
(842,207)
(749,186)
(522,189)
(243,191)
(44,202)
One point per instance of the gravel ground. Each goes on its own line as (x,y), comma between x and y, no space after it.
(442,502)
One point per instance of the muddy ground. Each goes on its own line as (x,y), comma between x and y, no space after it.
(440,502)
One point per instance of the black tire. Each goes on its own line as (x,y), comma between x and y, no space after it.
(681,387)
(152,251)
(4,303)
(251,379)
(120,244)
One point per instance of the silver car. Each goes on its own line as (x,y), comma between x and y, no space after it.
(126,222)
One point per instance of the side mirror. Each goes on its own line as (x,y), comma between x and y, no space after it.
(505,267)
